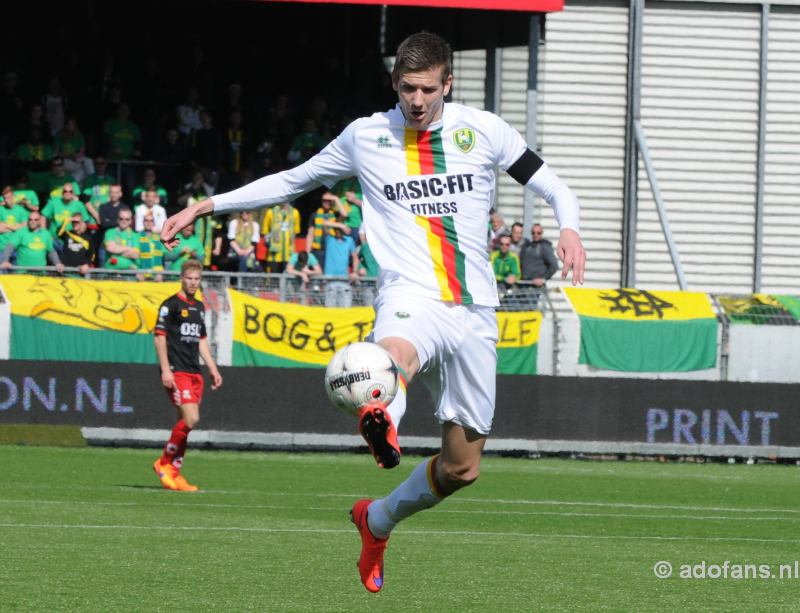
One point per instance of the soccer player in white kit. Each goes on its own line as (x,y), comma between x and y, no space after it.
(427,169)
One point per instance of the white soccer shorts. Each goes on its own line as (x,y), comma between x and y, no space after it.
(456,345)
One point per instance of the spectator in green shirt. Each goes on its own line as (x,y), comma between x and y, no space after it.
(190,247)
(12,216)
(23,194)
(306,144)
(33,156)
(59,211)
(351,197)
(148,182)
(32,244)
(57,177)
(123,136)
(505,263)
(70,144)
(97,187)
(122,242)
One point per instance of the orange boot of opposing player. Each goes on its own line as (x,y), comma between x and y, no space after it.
(166,474)
(182,485)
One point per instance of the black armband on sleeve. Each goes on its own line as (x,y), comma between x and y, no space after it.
(525,167)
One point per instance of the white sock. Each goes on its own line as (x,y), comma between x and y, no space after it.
(416,493)
(397,408)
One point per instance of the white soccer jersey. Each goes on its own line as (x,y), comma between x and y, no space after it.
(427,195)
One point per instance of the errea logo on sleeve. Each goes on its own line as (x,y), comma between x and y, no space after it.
(384,142)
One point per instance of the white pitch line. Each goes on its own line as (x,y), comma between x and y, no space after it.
(629,505)
(201,506)
(425,533)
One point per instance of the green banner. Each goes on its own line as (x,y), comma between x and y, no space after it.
(68,319)
(652,346)
(791,304)
(633,330)
(73,319)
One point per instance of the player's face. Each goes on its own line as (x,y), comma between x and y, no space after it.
(422,95)
(190,282)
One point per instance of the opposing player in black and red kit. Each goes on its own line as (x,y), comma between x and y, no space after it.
(180,338)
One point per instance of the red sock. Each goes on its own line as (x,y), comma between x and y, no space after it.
(176,446)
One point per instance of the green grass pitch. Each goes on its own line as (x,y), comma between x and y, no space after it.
(91,530)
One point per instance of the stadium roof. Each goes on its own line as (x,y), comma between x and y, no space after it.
(495,5)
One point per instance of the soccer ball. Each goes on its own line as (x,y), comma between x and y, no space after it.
(361,374)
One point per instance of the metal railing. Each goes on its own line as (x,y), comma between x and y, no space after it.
(325,290)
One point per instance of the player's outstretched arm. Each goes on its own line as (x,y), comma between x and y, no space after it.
(184,218)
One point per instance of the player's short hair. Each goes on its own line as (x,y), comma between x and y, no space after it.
(191,264)
(423,51)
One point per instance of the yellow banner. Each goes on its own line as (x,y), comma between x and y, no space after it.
(117,306)
(518,329)
(304,334)
(639,305)
(310,335)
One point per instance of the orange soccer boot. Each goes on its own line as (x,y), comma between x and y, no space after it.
(166,474)
(182,485)
(370,562)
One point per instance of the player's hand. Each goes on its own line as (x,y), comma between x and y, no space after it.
(168,379)
(216,380)
(183,218)
(570,251)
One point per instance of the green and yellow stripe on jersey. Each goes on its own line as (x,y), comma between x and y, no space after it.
(424,152)
(448,259)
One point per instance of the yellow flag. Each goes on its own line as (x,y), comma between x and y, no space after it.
(116,306)
(639,305)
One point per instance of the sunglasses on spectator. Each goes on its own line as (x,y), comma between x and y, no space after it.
(69,191)
(125,218)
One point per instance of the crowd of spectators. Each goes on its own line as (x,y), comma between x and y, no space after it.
(123,234)
(517,259)
(103,152)
(93,165)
